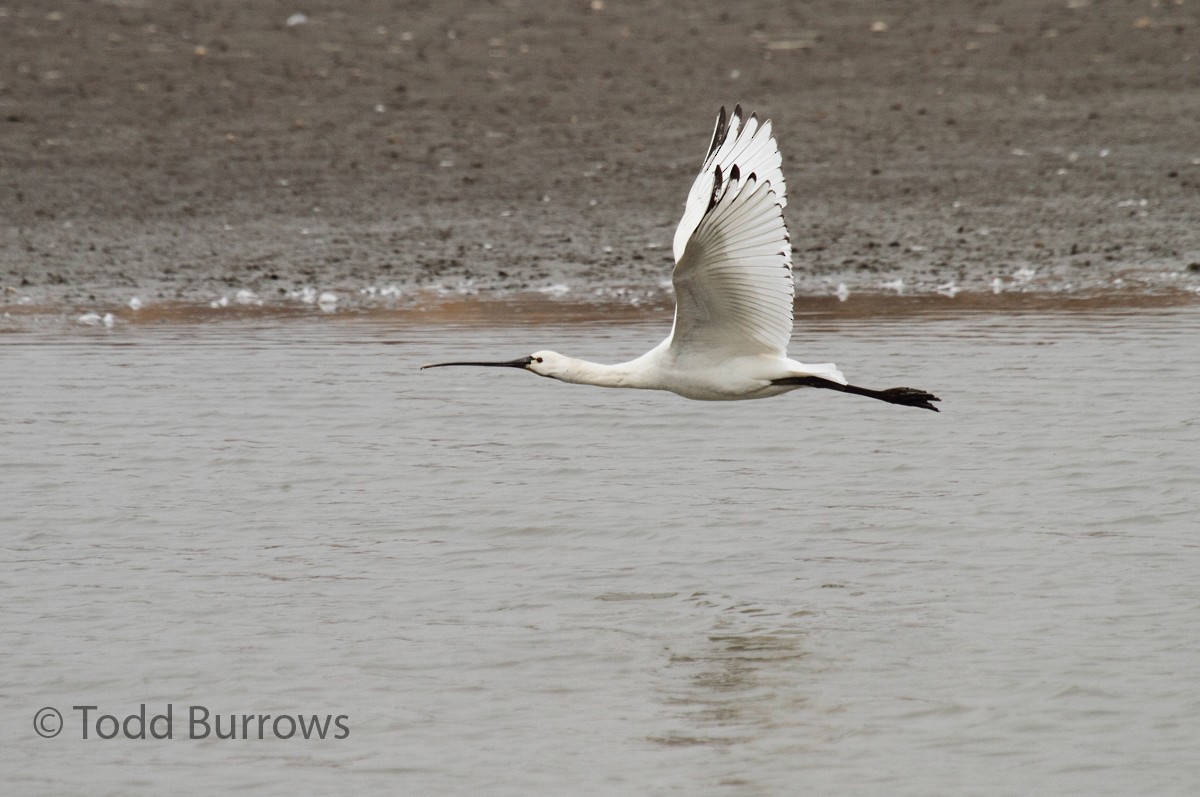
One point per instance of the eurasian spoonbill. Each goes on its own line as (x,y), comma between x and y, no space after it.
(733,291)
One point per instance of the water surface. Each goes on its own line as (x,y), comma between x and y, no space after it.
(514,586)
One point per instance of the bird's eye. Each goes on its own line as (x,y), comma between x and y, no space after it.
(538,359)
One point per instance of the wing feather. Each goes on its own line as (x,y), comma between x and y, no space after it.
(736,297)
(733,271)
(733,265)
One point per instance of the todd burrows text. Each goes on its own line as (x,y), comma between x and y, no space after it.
(201,723)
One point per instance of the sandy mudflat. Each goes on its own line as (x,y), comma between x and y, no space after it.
(186,151)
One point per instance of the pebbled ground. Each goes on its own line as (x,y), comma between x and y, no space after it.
(185,151)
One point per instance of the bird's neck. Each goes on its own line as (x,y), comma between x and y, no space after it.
(584,372)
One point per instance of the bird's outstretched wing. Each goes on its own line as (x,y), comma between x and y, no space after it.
(733,259)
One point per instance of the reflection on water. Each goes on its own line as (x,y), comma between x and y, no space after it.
(513,586)
(726,688)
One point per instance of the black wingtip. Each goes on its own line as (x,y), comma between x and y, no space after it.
(718,182)
(736,121)
(719,132)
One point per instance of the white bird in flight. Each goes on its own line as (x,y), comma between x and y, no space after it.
(733,291)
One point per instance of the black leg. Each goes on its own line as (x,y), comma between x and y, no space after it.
(905,396)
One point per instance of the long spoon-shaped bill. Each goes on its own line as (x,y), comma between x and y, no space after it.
(518,363)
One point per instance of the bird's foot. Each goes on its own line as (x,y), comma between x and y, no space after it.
(909,397)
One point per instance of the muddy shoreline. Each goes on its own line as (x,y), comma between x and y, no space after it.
(215,155)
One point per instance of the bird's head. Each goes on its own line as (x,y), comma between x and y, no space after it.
(549,363)
(542,363)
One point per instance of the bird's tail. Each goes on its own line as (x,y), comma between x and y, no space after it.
(824,370)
